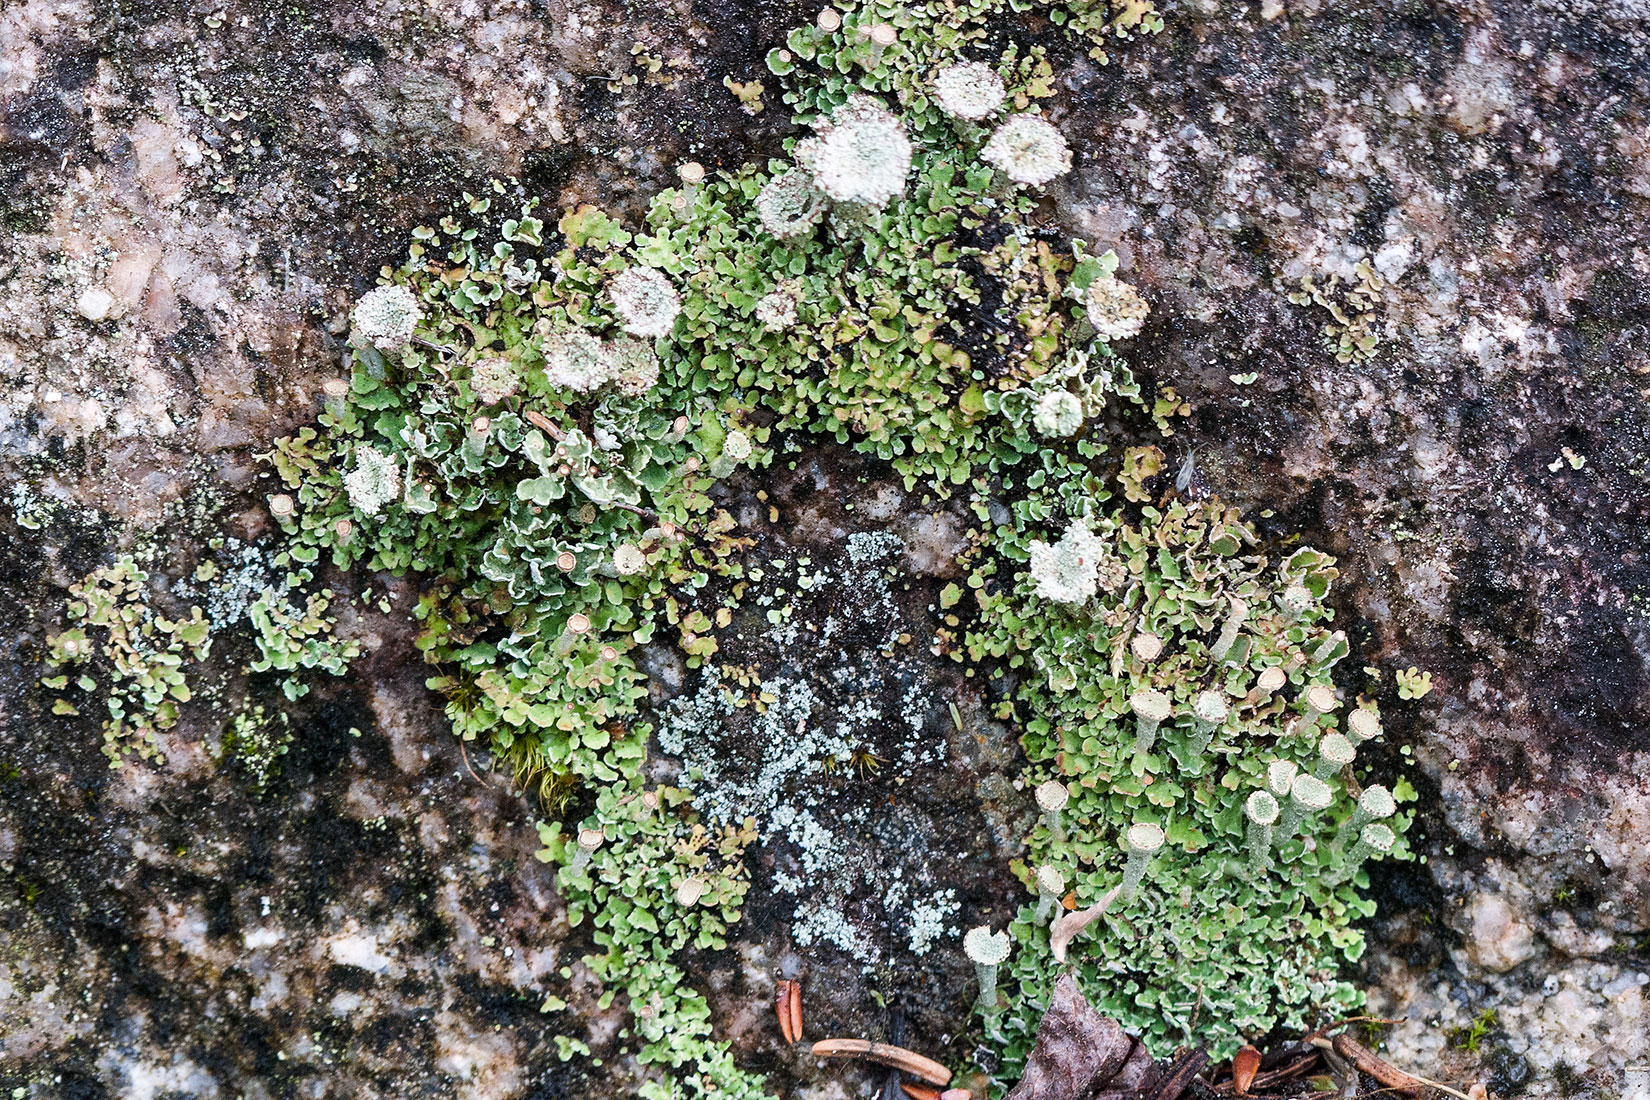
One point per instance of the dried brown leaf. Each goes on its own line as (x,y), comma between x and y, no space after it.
(1077,1049)
(1068,926)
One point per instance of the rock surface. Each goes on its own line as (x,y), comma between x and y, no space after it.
(194,196)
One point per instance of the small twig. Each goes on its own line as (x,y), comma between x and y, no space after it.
(465,755)
(1366,1061)
(544,423)
(1180,1075)
(907,1061)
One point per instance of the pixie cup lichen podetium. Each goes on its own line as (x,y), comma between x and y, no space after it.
(1307,795)
(1375,804)
(1051,799)
(1051,886)
(987,950)
(1143,840)
(1334,753)
(1262,811)
(1151,708)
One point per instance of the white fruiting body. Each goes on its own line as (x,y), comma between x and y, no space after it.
(375,481)
(386,317)
(1114,308)
(1067,571)
(860,155)
(1058,413)
(1027,149)
(790,205)
(645,300)
(969,90)
(577,360)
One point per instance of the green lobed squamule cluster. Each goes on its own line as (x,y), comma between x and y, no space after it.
(1191,671)
(540,446)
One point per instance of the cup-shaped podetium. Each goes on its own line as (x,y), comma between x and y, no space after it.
(1143,840)
(588,841)
(1151,707)
(987,950)
(1261,809)
(1051,799)
(1051,887)
(1334,753)
(1375,804)
(1376,838)
(1320,700)
(1280,778)
(1209,711)
(1362,725)
(1307,795)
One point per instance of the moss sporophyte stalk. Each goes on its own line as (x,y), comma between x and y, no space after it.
(538,407)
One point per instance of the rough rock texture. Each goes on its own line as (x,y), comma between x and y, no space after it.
(192,195)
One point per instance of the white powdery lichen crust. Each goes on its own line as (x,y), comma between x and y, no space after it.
(645,300)
(777,311)
(492,380)
(1028,149)
(576,360)
(862,155)
(1114,308)
(1068,571)
(789,205)
(635,366)
(970,90)
(386,317)
(1058,413)
(375,481)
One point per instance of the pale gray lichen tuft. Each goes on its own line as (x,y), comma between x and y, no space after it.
(969,90)
(1058,413)
(645,301)
(375,481)
(1115,309)
(790,205)
(1028,149)
(1068,571)
(385,317)
(776,312)
(493,380)
(861,155)
(635,366)
(577,360)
